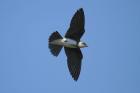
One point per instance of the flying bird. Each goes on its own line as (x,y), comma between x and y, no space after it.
(71,43)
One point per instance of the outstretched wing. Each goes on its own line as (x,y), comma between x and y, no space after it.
(76,29)
(74,59)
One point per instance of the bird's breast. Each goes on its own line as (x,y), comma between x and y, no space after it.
(69,43)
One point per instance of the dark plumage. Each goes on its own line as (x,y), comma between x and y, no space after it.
(71,43)
(55,49)
(76,29)
(74,58)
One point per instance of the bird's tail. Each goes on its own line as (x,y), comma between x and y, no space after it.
(55,49)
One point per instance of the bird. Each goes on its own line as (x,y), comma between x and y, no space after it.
(71,43)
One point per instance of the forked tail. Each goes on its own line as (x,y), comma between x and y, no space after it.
(55,49)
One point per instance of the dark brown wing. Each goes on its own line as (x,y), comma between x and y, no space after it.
(74,59)
(76,29)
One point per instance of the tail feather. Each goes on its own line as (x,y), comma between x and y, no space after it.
(54,36)
(55,49)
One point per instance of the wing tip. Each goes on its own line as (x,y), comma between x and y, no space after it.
(81,9)
(75,79)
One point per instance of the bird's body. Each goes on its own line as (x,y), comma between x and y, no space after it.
(67,42)
(71,43)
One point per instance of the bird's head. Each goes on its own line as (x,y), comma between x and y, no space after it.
(82,44)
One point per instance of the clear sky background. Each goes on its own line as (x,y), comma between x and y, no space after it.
(111,63)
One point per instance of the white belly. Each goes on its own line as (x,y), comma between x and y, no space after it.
(69,43)
(66,42)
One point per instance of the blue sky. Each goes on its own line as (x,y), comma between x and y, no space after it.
(111,63)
